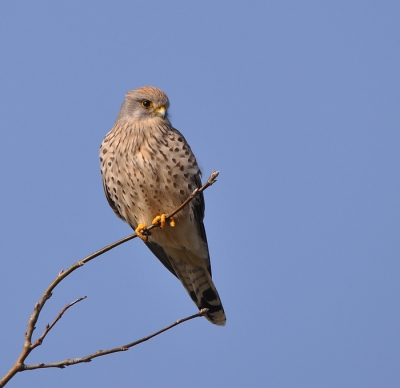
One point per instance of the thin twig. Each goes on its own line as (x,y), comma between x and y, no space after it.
(123,348)
(39,341)
(210,181)
(29,346)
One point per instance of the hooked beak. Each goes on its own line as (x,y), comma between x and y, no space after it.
(160,111)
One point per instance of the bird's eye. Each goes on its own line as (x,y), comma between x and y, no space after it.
(147,104)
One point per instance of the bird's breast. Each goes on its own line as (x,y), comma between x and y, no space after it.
(148,174)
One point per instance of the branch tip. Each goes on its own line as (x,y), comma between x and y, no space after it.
(214,175)
(203,311)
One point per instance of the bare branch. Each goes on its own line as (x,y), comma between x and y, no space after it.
(28,346)
(39,341)
(123,348)
(19,365)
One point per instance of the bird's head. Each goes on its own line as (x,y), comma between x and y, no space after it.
(144,103)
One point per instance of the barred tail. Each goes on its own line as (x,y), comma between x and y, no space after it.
(199,285)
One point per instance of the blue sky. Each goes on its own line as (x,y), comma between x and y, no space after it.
(296,103)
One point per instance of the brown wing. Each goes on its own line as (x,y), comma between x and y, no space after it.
(198,207)
(158,251)
(198,211)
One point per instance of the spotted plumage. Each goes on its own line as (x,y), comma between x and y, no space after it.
(148,169)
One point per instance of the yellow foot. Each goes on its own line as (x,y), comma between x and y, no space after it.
(139,231)
(162,219)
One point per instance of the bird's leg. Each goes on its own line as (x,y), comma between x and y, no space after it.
(162,219)
(139,231)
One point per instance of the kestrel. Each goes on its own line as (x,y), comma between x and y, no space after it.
(148,170)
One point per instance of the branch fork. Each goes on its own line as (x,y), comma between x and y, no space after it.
(20,366)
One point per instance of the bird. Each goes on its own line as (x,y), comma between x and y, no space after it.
(148,169)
